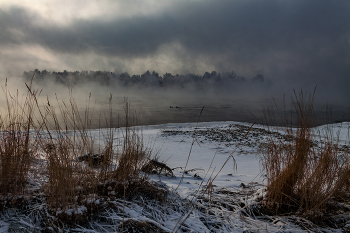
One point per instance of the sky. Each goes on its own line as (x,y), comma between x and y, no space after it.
(296,44)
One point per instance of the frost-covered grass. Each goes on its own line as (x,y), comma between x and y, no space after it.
(230,204)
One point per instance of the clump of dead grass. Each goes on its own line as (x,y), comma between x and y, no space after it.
(16,146)
(67,138)
(114,173)
(302,177)
(132,158)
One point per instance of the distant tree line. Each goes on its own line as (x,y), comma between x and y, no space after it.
(147,79)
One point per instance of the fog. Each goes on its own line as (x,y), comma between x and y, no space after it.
(154,104)
(296,45)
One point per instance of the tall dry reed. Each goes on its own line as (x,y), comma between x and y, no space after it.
(302,175)
(63,135)
(16,146)
(69,139)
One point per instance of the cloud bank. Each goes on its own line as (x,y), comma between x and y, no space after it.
(297,44)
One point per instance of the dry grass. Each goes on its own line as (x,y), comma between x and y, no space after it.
(16,146)
(132,158)
(130,180)
(59,131)
(67,139)
(302,178)
(115,173)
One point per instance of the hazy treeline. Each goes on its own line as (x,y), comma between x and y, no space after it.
(147,79)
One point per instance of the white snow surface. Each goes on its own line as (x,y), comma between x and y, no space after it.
(205,158)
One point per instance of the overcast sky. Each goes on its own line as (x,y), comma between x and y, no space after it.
(297,43)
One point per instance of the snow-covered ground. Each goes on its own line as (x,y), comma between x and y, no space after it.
(207,155)
(226,152)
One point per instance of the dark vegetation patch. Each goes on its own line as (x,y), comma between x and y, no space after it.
(155,167)
(135,226)
(131,189)
(93,160)
(230,135)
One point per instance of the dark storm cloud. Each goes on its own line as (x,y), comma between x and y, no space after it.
(306,41)
(10,21)
(208,27)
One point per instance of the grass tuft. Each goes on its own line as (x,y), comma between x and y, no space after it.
(302,177)
(16,145)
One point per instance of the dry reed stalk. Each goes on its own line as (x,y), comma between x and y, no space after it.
(132,159)
(16,149)
(63,134)
(303,177)
(134,154)
(108,150)
(68,138)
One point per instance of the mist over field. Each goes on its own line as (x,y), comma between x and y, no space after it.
(159,98)
(169,98)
